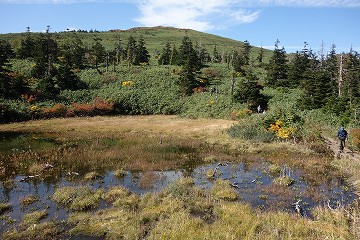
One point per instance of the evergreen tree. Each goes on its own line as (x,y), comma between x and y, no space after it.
(165,57)
(131,51)
(26,49)
(277,68)
(202,54)
(216,57)
(237,61)
(11,84)
(190,65)
(98,53)
(188,56)
(142,54)
(246,52)
(317,87)
(119,50)
(45,55)
(331,65)
(73,52)
(174,60)
(351,84)
(65,78)
(249,92)
(260,57)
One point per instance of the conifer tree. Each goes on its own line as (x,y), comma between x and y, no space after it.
(174,60)
(216,57)
(277,68)
(246,52)
(26,49)
(165,57)
(142,54)
(190,63)
(98,53)
(131,50)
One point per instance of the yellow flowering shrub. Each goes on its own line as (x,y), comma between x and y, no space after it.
(127,83)
(280,130)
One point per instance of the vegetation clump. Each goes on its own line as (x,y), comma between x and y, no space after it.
(78,198)
(223,191)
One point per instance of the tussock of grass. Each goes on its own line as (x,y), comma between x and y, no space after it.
(45,230)
(223,191)
(274,170)
(180,225)
(119,173)
(33,218)
(78,198)
(178,212)
(284,181)
(111,223)
(92,176)
(4,207)
(28,200)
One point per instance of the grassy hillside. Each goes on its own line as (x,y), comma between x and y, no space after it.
(155,38)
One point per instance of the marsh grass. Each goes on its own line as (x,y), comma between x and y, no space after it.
(4,207)
(44,230)
(223,191)
(28,200)
(78,198)
(33,218)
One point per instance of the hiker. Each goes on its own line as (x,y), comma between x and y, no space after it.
(259,109)
(342,135)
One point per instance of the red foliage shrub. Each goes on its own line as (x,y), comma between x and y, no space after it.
(103,107)
(58,110)
(98,107)
(355,137)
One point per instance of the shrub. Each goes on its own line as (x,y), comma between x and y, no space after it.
(58,110)
(355,137)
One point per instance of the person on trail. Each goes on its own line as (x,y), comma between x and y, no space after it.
(342,135)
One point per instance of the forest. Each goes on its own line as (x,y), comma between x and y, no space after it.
(176,71)
(166,133)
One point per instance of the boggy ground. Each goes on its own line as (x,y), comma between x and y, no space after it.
(180,211)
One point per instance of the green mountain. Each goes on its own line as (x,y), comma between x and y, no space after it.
(155,39)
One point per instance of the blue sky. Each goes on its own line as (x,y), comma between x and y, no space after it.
(260,22)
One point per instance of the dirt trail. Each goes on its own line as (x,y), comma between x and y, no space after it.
(348,153)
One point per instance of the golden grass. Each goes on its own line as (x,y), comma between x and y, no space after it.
(78,198)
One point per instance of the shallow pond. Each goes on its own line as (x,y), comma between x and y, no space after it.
(257,184)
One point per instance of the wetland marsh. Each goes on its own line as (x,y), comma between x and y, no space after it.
(150,177)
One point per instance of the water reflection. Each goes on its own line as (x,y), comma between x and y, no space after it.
(255,184)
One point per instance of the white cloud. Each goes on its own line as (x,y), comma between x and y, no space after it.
(201,15)
(301,3)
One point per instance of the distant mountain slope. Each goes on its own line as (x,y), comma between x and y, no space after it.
(155,39)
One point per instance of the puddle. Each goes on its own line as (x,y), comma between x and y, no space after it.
(255,186)
(256,183)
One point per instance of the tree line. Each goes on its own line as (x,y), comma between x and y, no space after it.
(329,81)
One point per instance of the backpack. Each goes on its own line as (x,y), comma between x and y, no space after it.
(342,135)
